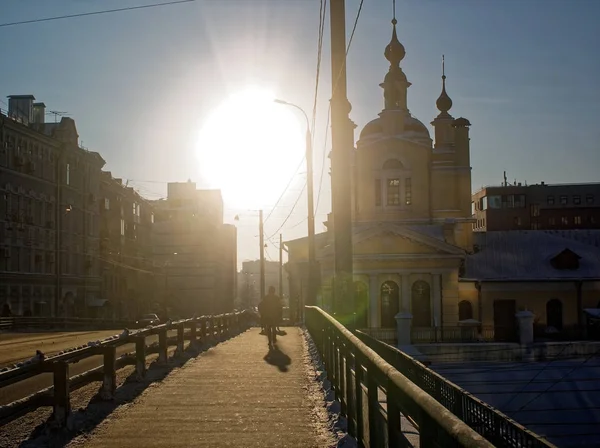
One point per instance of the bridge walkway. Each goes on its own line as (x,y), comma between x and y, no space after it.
(238,393)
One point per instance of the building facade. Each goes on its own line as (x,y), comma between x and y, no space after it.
(49,233)
(537,207)
(249,282)
(126,221)
(195,253)
(416,258)
(411,217)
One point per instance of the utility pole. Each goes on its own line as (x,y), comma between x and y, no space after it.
(281,266)
(261,232)
(342,138)
(312,282)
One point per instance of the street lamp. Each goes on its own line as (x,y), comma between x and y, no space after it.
(311,210)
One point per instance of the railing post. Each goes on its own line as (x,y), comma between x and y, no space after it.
(394,428)
(109,383)
(358,394)
(180,341)
(62,403)
(193,332)
(140,357)
(203,331)
(375,437)
(342,377)
(162,345)
(350,393)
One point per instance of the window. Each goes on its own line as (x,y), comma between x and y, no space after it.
(378,192)
(564,200)
(484,203)
(473,208)
(152,218)
(408,191)
(465,310)
(519,200)
(392,164)
(122,227)
(535,210)
(517,220)
(134,208)
(551,221)
(535,226)
(106,204)
(577,220)
(495,201)
(591,219)
(564,221)
(589,198)
(68,179)
(550,200)
(576,199)
(393,192)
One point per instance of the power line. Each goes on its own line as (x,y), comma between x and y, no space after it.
(94,13)
(322,10)
(290,214)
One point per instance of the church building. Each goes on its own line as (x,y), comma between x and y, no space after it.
(412,224)
(414,250)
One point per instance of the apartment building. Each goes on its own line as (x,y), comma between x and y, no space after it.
(537,207)
(195,253)
(126,220)
(49,187)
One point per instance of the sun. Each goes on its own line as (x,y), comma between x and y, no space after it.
(250,147)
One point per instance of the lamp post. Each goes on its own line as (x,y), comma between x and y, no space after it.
(311,208)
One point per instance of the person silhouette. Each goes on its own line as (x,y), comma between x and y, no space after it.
(270,310)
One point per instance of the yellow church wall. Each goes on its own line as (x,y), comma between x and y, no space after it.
(450,298)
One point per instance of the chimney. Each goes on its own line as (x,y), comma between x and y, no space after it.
(20,108)
(39,113)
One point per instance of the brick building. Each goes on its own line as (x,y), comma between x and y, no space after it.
(537,207)
(48,214)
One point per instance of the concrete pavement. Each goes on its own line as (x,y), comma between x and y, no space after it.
(238,393)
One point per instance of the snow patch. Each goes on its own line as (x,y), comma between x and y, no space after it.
(336,423)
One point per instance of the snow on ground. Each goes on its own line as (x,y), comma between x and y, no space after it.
(326,406)
(557,399)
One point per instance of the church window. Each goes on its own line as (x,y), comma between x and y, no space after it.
(393,192)
(465,310)
(421,304)
(392,164)
(390,304)
(408,191)
(378,192)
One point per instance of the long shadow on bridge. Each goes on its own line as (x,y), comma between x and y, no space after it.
(239,393)
(85,420)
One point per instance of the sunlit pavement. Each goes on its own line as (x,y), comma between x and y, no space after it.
(238,393)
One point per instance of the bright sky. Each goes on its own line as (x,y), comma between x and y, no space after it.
(141,84)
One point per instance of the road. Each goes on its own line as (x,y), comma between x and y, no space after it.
(27,387)
(15,347)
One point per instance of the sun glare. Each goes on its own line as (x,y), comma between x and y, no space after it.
(250,147)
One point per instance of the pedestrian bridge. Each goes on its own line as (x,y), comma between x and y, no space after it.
(241,393)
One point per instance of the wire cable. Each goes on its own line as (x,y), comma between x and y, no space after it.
(94,13)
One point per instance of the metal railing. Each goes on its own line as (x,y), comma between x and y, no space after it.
(205,328)
(487,421)
(359,375)
(71,323)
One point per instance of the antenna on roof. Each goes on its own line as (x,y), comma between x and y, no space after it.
(56,113)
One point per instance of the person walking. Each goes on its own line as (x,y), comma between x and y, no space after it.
(270,312)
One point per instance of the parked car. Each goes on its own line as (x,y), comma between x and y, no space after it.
(148,319)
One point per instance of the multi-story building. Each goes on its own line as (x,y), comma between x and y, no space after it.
(537,207)
(48,214)
(126,220)
(194,251)
(249,282)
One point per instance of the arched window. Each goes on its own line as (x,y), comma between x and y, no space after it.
(421,304)
(390,306)
(361,300)
(554,317)
(465,310)
(393,164)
